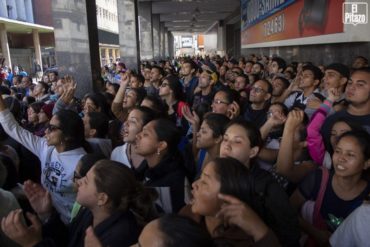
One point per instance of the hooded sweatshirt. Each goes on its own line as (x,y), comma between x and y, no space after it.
(56,168)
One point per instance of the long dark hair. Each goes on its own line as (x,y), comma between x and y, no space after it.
(123,190)
(167,131)
(176,86)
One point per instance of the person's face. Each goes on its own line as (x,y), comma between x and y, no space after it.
(146,74)
(58,88)
(358,88)
(134,82)
(348,159)
(89,106)
(248,68)
(87,194)
(53,134)
(204,80)
(236,144)
(43,118)
(151,236)
(337,130)
(307,80)
(359,63)
(32,116)
(165,89)
(220,103)
(256,69)
(25,82)
(52,77)
(205,191)
(38,90)
(132,126)
(240,83)
(205,137)
(147,141)
(110,89)
(332,79)
(274,68)
(45,79)
(155,76)
(15,81)
(277,87)
(223,70)
(129,100)
(258,93)
(186,69)
(275,110)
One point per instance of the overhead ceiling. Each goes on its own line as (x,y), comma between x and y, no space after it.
(192,16)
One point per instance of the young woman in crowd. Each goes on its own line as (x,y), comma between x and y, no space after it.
(158,144)
(242,141)
(315,142)
(44,117)
(225,102)
(32,123)
(126,99)
(58,152)
(206,139)
(126,154)
(337,194)
(171,91)
(293,161)
(271,133)
(222,203)
(114,209)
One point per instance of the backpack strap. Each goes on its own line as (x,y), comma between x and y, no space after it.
(320,197)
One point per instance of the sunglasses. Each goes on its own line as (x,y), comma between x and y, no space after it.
(52,128)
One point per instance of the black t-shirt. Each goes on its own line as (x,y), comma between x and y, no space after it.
(258,117)
(331,203)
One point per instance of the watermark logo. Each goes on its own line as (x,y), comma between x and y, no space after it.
(355,13)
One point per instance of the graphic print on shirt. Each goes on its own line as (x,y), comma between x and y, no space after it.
(55,175)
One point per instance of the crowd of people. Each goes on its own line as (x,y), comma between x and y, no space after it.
(192,151)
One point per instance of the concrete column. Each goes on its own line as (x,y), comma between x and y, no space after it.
(5,45)
(221,39)
(162,40)
(166,50)
(13,9)
(114,55)
(117,53)
(36,44)
(171,45)
(156,37)
(76,42)
(29,11)
(21,10)
(128,33)
(146,32)
(107,60)
(3,10)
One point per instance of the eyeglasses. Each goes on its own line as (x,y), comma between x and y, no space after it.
(76,176)
(258,90)
(52,128)
(217,102)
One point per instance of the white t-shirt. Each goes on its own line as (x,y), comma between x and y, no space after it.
(354,231)
(119,154)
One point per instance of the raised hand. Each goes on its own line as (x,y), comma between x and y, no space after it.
(295,118)
(314,103)
(125,79)
(235,212)
(333,94)
(192,117)
(276,118)
(39,199)
(14,227)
